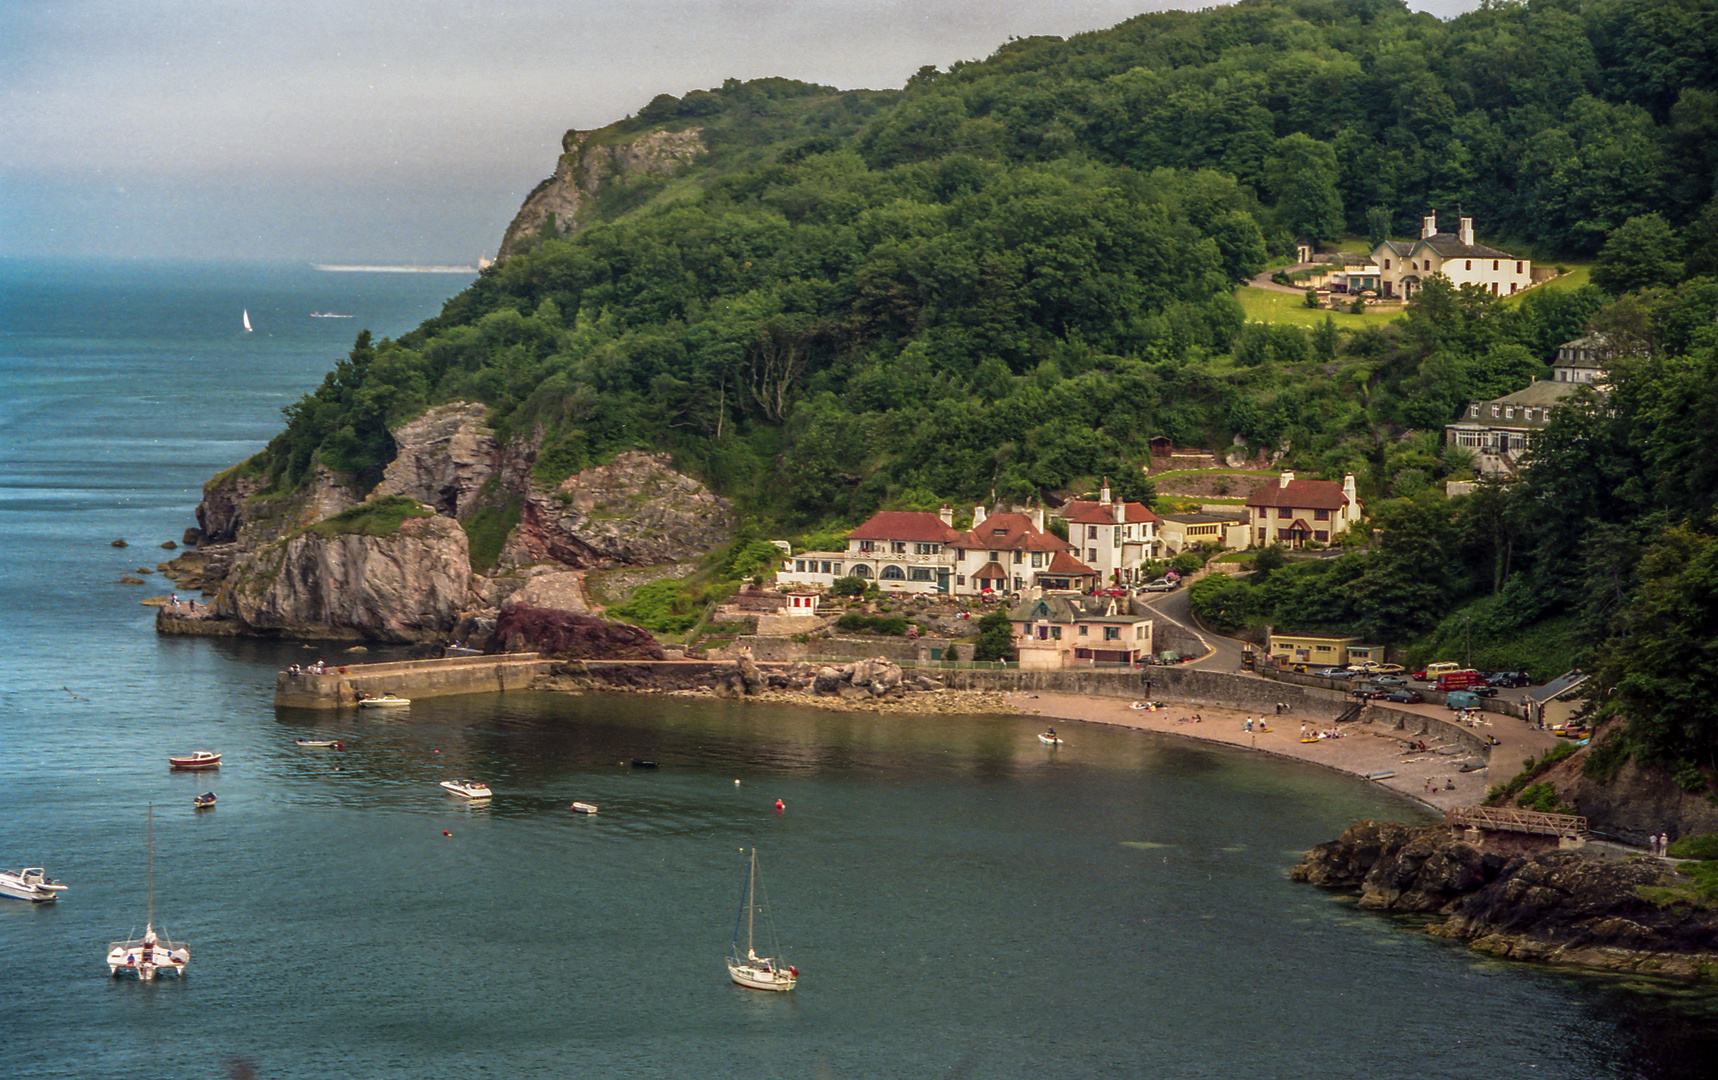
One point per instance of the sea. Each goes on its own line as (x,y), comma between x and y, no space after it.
(959,899)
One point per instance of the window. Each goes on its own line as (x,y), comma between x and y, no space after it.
(1473,410)
(999,532)
(1320,535)
(1019,557)
(920,573)
(1091,532)
(1056,632)
(1037,560)
(1386,264)
(1284,512)
(993,556)
(1509,413)
(1083,629)
(1494,264)
(1321,515)
(899,547)
(799,566)
(1518,268)
(864,545)
(960,580)
(1469,263)
(892,573)
(926,549)
(1091,555)
(1112,633)
(1494,412)
(860,570)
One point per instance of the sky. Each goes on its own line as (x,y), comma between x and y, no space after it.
(398,131)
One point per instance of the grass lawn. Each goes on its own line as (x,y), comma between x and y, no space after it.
(1579,274)
(1270,306)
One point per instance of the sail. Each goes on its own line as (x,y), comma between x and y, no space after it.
(246,316)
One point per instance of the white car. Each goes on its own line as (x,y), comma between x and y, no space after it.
(1162,584)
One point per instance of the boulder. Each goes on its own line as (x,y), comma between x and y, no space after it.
(568,635)
(443,459)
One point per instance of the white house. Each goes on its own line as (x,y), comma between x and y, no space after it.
(902,551)
(1404,265)
(1010,552)
(1113,537)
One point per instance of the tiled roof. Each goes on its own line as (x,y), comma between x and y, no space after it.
(1081,512)
(1064,563)
(910,525)
(1017,533)
(1449,246)
(1311,494)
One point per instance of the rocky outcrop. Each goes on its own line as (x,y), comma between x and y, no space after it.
(876,678)
(1636,802)
(409,586)
(635,510)
(588,162)
(443,459)
(1561,907)
(566,635)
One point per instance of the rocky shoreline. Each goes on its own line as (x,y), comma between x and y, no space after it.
(1632,915)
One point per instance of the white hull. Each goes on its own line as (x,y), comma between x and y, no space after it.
(144,960)
(29,884)
(386,701)
(584,808)
(471,789)
(761,978)
(1050,740)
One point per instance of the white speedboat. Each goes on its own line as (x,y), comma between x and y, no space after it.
(152,954)
(749,969)
(584,808)
(319,743)
(31,883)
(471,789)
(1049,738)
(382,701)
(202,759)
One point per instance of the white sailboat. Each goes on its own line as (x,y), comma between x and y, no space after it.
(750,969)
(245,314)
(152,954)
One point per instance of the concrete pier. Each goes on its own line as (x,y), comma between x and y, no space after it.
(339,687)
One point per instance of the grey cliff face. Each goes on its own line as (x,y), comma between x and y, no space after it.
(634,511)
(584,167)
(443,458)
(410,586)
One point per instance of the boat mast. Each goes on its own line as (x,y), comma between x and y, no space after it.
(751,904)
(150,876)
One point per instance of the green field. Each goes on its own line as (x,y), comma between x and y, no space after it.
(1270,306)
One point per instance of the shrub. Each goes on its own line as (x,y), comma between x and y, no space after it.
(381,517)
(665,607)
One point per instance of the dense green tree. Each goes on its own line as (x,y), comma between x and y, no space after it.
(1641,252)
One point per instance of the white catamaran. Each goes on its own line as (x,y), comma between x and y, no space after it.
(151,954)
(748,968)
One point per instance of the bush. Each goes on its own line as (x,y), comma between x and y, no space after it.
(848,586)
(382,517)
(665,607)
(1704,847)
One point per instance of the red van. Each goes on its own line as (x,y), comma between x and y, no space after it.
(1465,679)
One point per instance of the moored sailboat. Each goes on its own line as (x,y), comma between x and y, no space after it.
(152,954)
(245,317)
(750,969)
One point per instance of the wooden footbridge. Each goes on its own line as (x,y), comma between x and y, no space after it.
(1510,819)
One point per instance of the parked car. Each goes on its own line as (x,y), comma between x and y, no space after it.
(1332,672)
(1483,691)
(1510,679)
(1390,680)
(1432,671)
(1112,590)
(1364,667)
(1387,669)
(1368,691)
(1462,699)
(1405,697)
(1162,584)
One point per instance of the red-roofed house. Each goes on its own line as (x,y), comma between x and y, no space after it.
(1295,512)
(902,551)
(1114,538)
(1009,552)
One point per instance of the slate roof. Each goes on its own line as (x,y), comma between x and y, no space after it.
(1449,246)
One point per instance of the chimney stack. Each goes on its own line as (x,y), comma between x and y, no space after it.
(1288,478)
(1036,514)
(978,515)
(946,512)
(1466,233)
(1104,496)
(1428,226)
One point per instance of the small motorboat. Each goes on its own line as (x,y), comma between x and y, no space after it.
(584,808)
(309,744)
(31,883)
(204,801)
(471,789)
(382,701)
(643,763)
(1049,738)
(202,759)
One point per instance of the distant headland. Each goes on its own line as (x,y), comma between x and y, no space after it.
(339,268)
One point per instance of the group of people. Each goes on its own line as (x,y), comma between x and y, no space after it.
(1659,844)
(318,668)
(173,603)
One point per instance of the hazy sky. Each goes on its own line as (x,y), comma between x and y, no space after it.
(397,130)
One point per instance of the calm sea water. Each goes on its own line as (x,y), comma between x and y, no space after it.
(959,900)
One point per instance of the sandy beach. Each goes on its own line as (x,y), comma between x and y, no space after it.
(1432,777)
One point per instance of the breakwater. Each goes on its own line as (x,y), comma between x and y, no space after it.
(337,687)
